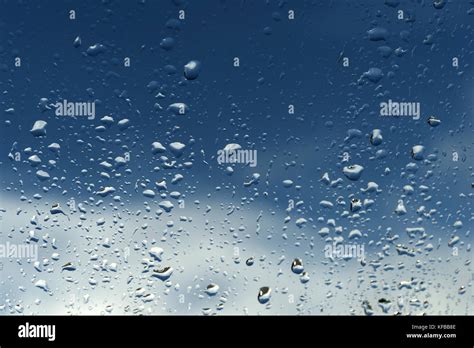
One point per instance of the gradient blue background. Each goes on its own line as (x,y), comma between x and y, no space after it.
(282,62)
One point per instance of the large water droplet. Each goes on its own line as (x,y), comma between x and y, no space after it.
(297,266)
(162,273)
(353,172)
(376,137)
(212,289)
(264,294)
(417,152)
(192,70)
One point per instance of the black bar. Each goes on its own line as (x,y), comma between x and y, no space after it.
(261,330)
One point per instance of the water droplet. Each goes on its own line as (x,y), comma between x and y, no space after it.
(297,266)
(42,284)
(149,193)
(77,42)
(212,289)
(156,253)
(304,278)
(353,172)
(433,121)
(377,34)
(167,43)
(264,294)
(42,175)
(69,266)
(373,75)
(192,70)
(385,305)
(439,4)
(39,128)
(376,137)
(417,152)
(177,148)
(95,50)
(162,273)
(356,204)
